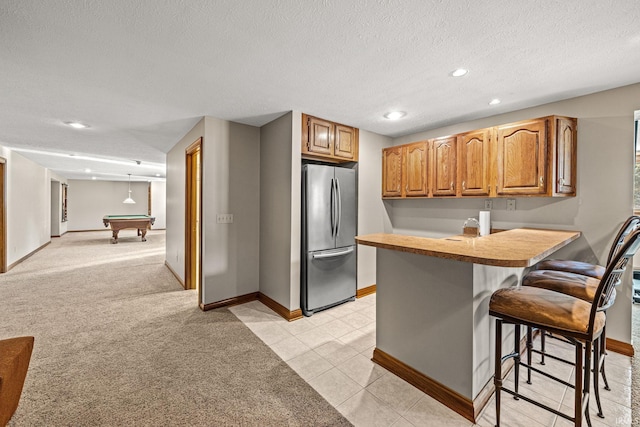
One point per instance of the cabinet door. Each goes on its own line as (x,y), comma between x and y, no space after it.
(320,136)
(345,142)
(566,138)
(415,170)
(473,164)
(522,158)
(392,172)
(443,181)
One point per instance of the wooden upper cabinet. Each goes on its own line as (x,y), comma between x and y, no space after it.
(328,141)
(443,166)
(415,169)
(565,153)
(345,145)
(392,160)
(320,136)
(529,158)
(522,158)
(473,163)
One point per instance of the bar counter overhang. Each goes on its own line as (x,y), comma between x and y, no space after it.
(433,327)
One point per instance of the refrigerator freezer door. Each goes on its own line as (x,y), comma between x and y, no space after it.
(319,207)
(346,200)
(331,278)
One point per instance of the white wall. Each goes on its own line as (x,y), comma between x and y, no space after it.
(159,203)
(230,184)
(604,187)
(89,201)
(28,205)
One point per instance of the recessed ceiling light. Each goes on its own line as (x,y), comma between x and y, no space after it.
(76,125)
(157,174)
(87,170)
(93,177)
(494,101)
(395,115)
(459,72)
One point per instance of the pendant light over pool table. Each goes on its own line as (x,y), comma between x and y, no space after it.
(129,200)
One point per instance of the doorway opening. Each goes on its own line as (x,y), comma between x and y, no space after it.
(193,215)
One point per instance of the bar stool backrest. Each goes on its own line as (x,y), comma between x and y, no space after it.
(630,225)
(613,275)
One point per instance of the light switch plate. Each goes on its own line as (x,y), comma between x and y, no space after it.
(488,204)
(511,204)
(224,218)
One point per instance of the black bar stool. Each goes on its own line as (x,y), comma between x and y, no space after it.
(579,322)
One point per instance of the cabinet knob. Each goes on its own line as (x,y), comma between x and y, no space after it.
(541,181)
(451,186)
(464,185)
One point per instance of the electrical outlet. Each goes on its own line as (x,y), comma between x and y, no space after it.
(511,204)
(488,204)
(224,218)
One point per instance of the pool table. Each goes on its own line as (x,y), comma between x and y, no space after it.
(119,222)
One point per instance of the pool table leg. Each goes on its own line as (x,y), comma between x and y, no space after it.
(143,232)
(114,237)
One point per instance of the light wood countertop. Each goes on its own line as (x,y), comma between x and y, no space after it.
(520,247)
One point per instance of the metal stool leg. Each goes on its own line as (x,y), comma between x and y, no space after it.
(603,353)
(584,396)
(516,359)
(497,375)
(596,386)
(529,349)
(579,377)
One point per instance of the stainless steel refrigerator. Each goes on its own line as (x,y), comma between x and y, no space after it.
(329,213)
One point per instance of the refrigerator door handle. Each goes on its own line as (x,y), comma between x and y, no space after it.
(332,254)
(339,200)
(332,212)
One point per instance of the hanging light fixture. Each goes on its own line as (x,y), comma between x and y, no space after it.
(129,200)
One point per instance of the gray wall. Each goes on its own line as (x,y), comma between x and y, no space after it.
(231,174)
(176,176)
(56,208)
(231,184)
(604,194)
(89,201)
(372,216)
(275,211)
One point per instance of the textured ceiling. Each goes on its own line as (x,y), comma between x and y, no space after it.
(141,73)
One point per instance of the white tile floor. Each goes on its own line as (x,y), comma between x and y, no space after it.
(332,351)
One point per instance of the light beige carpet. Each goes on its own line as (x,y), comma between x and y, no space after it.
(118,342)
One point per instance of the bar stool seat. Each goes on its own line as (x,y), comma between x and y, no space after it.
(550,310)
(569,266)
(573,284)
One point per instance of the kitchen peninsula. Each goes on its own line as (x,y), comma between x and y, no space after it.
(432,316)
